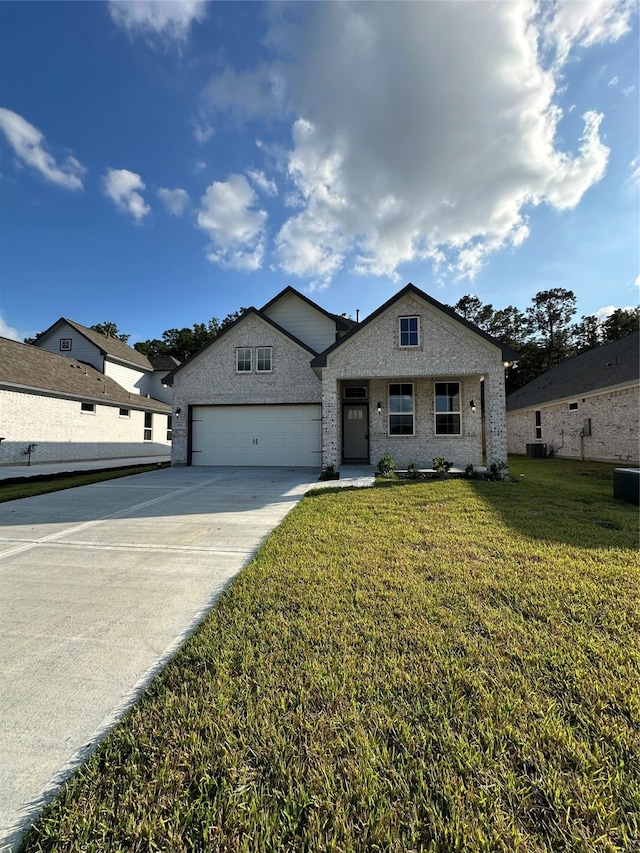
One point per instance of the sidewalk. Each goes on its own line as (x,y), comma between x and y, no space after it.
(11,472)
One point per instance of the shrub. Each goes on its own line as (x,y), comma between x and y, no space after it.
(413,472)
(386,465)
(441,466)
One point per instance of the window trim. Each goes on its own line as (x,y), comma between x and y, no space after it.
(409,332)
(250,351)
(65,341)
(538,424)
(270,368)
(391,413)
(457,411)
(87,408)
(123,412)
(147,435)
(169,427)
(573,407)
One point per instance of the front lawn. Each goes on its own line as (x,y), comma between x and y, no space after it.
(431,666)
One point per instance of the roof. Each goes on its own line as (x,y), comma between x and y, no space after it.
(163,362)
(343,324)
(168,379)
(30,369)
(609,365)
(113,347)
(507,353)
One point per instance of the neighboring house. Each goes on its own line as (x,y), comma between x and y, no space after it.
(292,384)
(585,408)
(111,356)
(55,408)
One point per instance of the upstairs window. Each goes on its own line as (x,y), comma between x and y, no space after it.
(448,408)
(243,360)
(263,359)
(88,408)
(573,407)
(65,344)
(125,413)
(401,408)
(148,426)
(409,332)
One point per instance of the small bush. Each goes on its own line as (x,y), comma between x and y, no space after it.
(441,466)
(387,465)
(413,473)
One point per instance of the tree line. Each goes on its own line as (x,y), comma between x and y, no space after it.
(543,333)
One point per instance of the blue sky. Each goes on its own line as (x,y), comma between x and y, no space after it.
(163,163)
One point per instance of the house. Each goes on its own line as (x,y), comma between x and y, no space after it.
(292,384)
(57,408)
(585,408)
(111,356)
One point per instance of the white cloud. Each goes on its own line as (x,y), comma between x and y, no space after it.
(634,165)
(176,201)
(608,310)
(614,81)
(233,224)
(7,331)
(122,186)
(202,130)
(424,130)
(30,146)
(260,180)
(169,19)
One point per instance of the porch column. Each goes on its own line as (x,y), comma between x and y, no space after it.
(495,414)
(330,420)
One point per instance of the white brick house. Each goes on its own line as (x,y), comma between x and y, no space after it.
(55,408)
(585,408)
(292,384)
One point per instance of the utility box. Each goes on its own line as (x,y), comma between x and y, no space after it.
(626,485)
(536,451)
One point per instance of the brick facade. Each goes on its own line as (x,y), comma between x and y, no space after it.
(62,432)
(615,426)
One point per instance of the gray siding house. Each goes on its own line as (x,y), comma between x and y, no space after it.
(585,408)
(292,384)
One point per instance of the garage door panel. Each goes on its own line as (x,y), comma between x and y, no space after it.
(256,435)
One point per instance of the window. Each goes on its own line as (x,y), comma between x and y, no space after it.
(65,344)
(538,425)
(401,408)
(573,407)
(169,427)
(89,408)
(148,426)
(243,359)
(409,332)
(125,413)
(448,408)
(263,359)
(354,392)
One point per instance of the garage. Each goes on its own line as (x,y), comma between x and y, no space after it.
(256,435)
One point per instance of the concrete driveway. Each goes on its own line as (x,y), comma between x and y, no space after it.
(98,587)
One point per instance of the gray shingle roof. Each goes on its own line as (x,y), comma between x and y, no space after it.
(614,364)
(163,362)
(27,368)
(109,346)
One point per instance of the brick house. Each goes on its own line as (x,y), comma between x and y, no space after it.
(57,408)
(292,384)
(588,407)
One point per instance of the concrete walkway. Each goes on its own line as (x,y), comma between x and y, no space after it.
(99,585)
(10,472)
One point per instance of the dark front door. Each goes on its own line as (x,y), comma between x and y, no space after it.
(355,431)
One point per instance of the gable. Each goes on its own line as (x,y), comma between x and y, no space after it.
(90,346)
(303,319)
(438,344)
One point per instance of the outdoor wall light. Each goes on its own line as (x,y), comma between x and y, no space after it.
(379,407)
(178,410)
(473,406)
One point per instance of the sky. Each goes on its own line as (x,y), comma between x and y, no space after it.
(162,163)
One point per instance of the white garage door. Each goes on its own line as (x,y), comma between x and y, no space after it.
(256,435)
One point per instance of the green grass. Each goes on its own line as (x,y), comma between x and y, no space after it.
(431,666)
(43,484)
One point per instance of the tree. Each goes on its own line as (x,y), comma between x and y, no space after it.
(548,320)
(31,340)
(182,343)
(587,334)
(621,323)
(472,309)
(509,325)
(110,330)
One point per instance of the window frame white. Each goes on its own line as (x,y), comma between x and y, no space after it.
(123,412)
(409,332)
(268,349)
(63,342)
(391,413)
(87,408)
(148,430)
(244,350)
(439,413)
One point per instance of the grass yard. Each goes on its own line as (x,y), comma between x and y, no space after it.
(431,666)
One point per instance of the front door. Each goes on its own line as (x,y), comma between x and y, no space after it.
(355,431)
